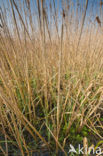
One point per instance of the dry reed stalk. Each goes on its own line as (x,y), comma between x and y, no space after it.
(59,81)
(15,23)
(85,146)
(21,19)
(43,37)
(55,137)
(83,20)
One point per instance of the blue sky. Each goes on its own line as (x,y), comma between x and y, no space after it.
(92,11)
(95,3)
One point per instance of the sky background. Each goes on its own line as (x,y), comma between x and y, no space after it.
(92,11)
(95,3)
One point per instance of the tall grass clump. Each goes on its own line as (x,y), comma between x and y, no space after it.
(51,75)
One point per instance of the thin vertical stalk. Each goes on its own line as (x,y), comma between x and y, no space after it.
(82,25)
(59,82)
(15,21)
(43,53)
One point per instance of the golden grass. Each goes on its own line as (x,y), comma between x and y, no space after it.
(50,82)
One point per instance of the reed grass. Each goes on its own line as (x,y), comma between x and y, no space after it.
(51,76)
